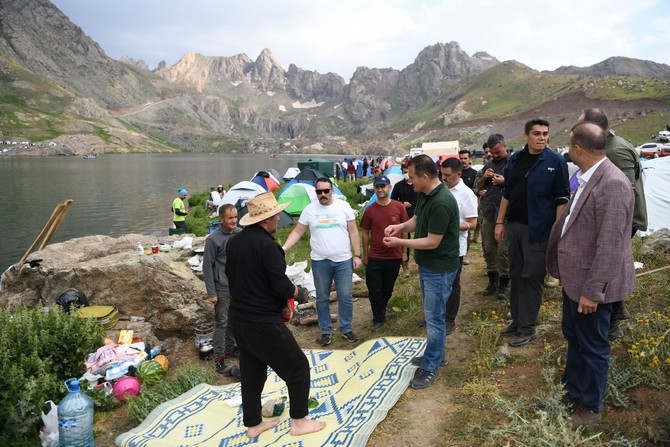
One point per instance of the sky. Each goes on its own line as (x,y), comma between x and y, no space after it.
(339,36)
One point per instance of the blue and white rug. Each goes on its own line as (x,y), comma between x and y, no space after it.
(355,390)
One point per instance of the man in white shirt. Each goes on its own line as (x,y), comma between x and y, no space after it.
(332,227)
(451,169)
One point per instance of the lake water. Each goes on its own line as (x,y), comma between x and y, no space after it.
(114,194)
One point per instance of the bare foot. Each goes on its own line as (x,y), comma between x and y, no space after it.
(256,430)
(304,426)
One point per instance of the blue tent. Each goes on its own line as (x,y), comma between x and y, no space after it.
(395,169)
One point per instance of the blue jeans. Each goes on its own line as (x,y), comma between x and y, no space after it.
(325,272)
(435,290)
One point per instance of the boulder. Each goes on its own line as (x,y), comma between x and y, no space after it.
(161,287)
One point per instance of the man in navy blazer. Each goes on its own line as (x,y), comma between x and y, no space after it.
(589,249)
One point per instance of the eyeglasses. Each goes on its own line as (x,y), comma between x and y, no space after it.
(322,191)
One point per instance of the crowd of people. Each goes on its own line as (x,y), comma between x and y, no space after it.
(532,224)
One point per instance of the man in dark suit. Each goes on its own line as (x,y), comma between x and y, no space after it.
(589,250)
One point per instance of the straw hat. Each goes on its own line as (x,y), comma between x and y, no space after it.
(261,207)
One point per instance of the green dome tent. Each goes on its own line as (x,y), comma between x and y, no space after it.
(300,195)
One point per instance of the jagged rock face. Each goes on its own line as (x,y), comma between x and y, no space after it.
(434,68)
(369,94)
(39,36)
(200,71)
(162,287)
(305,85)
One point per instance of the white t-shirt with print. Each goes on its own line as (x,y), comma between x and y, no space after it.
(329,238)
(467,208)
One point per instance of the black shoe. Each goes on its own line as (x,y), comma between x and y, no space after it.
(522,340)
(510,331)
(220,365)
(493,284)
(615,332)
(502,288)
(377,326)
(233,371)
(234,352)
(416,361)
(325,339)
(350,337)
(423,379)
(451,326)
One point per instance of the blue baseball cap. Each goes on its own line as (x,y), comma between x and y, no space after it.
(381,180)
(182,192)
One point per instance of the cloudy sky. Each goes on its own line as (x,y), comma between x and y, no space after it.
(338,36)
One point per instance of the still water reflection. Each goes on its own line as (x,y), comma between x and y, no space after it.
(114,194)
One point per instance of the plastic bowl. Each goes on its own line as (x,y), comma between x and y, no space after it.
(127,386)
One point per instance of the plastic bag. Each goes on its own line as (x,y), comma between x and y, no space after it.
(298,276)
(49,433)
(185,243)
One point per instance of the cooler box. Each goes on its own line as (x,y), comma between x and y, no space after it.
(106,316)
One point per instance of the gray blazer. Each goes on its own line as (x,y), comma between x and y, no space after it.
(594,257)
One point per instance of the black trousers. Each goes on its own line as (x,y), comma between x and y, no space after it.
(454,301)
(380,276)
(527,269)
(270,344)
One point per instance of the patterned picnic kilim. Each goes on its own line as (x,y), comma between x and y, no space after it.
(355,389)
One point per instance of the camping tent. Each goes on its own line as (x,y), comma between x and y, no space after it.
(265,179)
(395,169)
(369,190)
(656,179)
(318,164)
(308,176)
(300,195)
(242,191)
(290,174)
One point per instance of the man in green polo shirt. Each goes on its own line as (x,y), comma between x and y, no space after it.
(435,225)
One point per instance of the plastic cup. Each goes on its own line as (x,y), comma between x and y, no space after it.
(154,249)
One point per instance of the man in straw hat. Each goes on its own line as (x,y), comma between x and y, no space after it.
(259,288)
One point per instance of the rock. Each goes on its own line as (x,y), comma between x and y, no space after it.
(162,287)
(658,241)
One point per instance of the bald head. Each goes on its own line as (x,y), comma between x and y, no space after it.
(595,116)
(590,137)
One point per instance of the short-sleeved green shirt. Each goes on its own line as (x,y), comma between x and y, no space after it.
(437,213)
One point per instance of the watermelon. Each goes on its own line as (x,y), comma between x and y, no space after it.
(163,361)
(149,372)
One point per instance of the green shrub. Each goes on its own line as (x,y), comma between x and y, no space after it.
(171,387)
(38,351)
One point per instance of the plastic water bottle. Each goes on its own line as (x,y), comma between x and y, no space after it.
(75,417)
(155,350)
(140,249)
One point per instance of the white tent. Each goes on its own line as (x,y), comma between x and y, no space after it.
(242,192)
(656,179)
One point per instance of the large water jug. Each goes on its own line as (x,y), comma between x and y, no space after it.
(75,417)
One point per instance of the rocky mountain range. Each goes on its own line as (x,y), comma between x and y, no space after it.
(58,84)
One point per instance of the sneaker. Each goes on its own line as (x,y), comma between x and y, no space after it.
(423,379)
(522,340)
(510,331)
(350,336)
(377,326)
(451,326)
(325,339)
(220,365)
(233,352)
(416,361)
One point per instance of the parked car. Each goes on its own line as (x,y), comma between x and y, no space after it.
(663,136)
(652,150)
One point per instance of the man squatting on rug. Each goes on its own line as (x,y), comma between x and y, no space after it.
(259,289)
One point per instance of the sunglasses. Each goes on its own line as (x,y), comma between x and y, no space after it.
(322,191)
